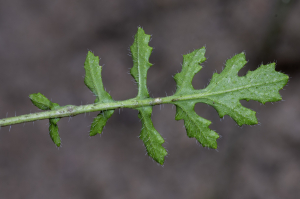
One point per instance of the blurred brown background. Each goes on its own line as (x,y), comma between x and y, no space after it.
(43,45)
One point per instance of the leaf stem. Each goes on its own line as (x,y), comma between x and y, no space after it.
(72,110)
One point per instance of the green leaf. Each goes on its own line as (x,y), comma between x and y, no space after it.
(196,126)
(140,54)
(100,121)
(224,93)
(53,131)
(190,67)
(40,101)
(53,128)
(227,89)
(151,138)
(44,103)
(93,81)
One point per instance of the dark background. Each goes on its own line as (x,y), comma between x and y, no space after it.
(43,45)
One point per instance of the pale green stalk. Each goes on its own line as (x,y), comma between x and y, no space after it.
(72,110)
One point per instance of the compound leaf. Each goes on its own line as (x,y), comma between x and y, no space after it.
(93,81)
(224,93)
(151,138)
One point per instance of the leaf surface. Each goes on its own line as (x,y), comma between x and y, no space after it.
(93,81)
(100,121)
(196,126)
(224,93)
(151,138)
(53,131)
(227,89)
(140,54)
(40,101)
(190,67)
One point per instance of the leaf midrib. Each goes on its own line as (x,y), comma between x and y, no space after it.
(203,95)
(138,60)
(97,89)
